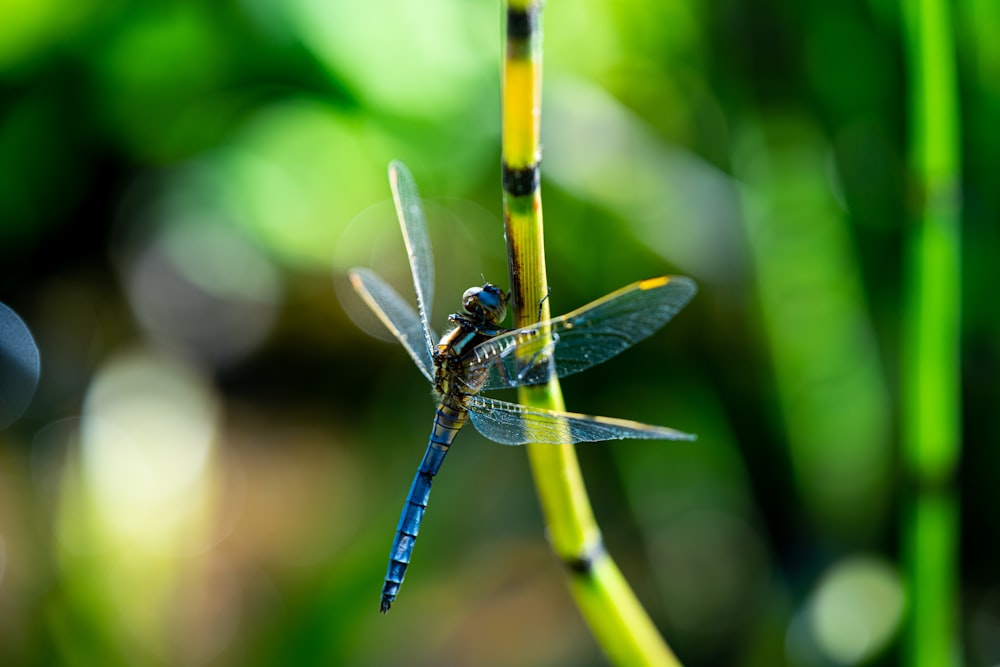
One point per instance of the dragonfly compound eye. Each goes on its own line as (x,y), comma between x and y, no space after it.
(487,301)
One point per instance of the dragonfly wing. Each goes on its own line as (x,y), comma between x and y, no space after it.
(418,244)
(396,314)
(513,424)
(582,338)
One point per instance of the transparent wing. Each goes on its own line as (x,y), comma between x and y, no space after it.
(513,424)
(582,338)
(397,316)
(418,244)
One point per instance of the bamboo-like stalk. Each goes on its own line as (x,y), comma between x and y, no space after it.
(931,399)
(619,623)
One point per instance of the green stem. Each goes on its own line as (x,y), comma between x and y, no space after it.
(931,400)
(619,623)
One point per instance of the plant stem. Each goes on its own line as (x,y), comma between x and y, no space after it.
(931,400)
(619,623)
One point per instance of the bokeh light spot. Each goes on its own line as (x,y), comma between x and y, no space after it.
(201,286)
(375,47)
(295,175)
(20,365)
(146,446)
(681,206)
(856,610)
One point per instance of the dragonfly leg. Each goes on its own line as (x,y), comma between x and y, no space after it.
(541,302)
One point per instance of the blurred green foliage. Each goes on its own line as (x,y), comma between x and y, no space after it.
(212,466)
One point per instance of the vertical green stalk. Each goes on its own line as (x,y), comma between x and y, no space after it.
(931,399)
(618,621)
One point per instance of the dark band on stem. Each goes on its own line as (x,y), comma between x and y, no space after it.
(522,22)
(583,565)
(521,182)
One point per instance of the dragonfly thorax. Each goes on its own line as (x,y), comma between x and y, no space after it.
(484,308)
(488,303)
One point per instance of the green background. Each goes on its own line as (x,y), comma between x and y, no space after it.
(215,458)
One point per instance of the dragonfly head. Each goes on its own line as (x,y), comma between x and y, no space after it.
(488,301)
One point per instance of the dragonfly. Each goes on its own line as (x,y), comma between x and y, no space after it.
(479,354)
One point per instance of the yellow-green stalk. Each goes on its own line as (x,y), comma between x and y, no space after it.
(619,623)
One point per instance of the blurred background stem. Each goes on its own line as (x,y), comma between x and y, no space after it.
(931,399)
(619,623)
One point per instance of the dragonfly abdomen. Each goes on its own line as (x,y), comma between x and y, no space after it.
(448,420)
